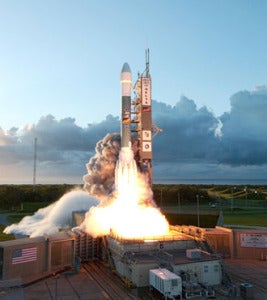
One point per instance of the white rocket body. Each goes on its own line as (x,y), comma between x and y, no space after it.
(126,87)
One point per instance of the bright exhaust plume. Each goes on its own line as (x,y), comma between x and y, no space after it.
(131,214)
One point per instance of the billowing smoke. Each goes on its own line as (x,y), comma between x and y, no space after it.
(99,181)
(55,216)
(115,196)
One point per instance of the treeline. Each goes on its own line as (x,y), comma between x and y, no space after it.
(14,195)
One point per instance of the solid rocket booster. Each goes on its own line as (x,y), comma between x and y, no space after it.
(126,86)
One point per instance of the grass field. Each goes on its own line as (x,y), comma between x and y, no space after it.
(31,207)
(14,216)
(3,236)
(241,205)
(250,217)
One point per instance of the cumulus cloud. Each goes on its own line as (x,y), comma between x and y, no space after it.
(191,137)
(244,129)
(63,148)
(188,132)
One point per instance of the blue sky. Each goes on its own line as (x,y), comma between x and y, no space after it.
(63,59)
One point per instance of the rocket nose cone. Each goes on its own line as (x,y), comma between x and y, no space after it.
(126,68)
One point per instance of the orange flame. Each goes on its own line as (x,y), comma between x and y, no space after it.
(131,214)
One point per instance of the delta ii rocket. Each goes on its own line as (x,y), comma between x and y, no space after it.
(126,87)
(136,116)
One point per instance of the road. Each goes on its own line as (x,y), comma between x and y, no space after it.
(249,271)
(3,219)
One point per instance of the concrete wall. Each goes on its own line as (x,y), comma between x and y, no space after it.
(139,273)
(220,241)
(238,243)
(16,269)
(250,244)
(206,272)
(27,257)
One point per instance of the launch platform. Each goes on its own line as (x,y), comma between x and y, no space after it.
(176,251)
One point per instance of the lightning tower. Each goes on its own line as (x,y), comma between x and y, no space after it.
(136,117)
(144,128)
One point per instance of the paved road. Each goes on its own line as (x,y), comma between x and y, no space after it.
(3,219)
(72,286)
(245,226)
(249,271)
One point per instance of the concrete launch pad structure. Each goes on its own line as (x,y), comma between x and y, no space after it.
(176,252)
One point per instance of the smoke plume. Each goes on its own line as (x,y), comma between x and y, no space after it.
(99,181)
(53,217)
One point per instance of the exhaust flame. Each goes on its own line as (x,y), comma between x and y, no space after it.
(132,212)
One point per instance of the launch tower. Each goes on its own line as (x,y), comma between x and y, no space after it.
(143,127)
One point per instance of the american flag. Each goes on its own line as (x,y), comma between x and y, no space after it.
(20,256)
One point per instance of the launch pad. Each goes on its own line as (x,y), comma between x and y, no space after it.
(178,252)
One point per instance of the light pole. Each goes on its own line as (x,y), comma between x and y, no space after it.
(246,191)
(198,223)
(232,199)
(179,203)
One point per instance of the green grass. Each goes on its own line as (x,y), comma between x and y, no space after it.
(188,219)
(3,236)
(250,217)
(240,215)
(32,207)
(16,215)
(29,208)
(16,218)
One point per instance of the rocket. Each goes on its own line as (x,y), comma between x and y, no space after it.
(126,87)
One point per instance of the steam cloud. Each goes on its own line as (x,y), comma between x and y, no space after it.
(53,217)
(102,215)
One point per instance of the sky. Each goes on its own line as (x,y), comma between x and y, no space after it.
(60,63)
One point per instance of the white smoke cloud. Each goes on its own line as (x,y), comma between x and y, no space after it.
(55,216)
(99,180)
